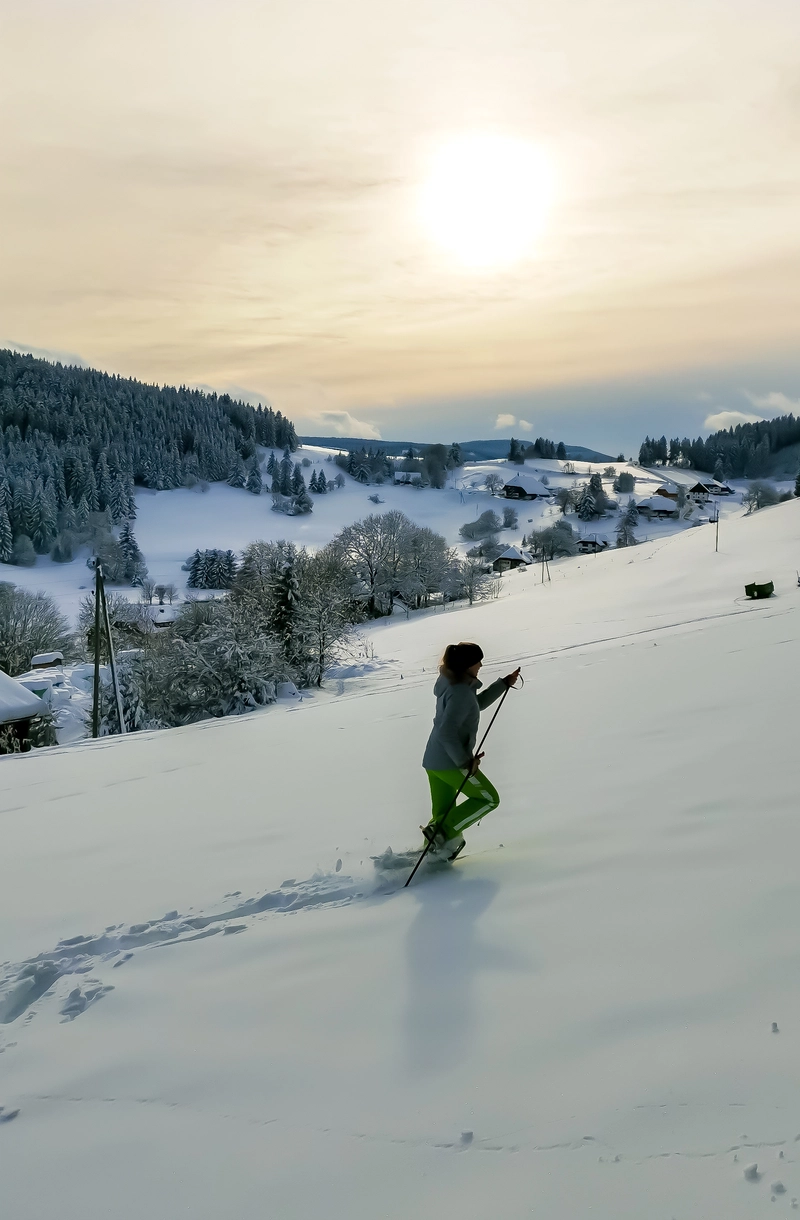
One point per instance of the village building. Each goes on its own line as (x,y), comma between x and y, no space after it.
(701,493)
(513,557)
(658,506)
(18,707)
(525,487)
(47,660)
(591,546)
(161,615)
(412,477)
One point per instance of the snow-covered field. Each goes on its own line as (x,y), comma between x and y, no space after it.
(574,1020)
(172,524)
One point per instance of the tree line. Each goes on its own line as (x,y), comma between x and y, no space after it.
(74,442)
(740,452)
(541,448)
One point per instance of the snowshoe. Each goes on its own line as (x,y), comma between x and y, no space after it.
(455,847)
(433,836)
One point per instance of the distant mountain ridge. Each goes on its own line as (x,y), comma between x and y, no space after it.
(476,450)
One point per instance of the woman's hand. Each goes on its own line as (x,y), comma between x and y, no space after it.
(474,763)
(511,679)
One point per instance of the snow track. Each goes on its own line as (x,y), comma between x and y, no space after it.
(25,983)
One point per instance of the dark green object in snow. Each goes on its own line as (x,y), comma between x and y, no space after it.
(754,590)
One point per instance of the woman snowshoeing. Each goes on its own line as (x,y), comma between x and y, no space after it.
(449,755)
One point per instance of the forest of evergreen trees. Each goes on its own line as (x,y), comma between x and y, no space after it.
(74,442)
(733,453)
(541,448)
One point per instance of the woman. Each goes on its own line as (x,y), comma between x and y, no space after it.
(449,755)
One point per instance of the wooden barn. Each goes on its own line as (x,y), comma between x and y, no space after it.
(513,557)
(592,546)
(658,506)
(525,487)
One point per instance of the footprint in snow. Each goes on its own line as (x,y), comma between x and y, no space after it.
(80,998)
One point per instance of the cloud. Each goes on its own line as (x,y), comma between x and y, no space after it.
(342,423)
(504,421)
(525,426)
(729,419)
(774,401)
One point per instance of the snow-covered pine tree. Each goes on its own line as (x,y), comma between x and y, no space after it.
(627,524)
(103,479)
(6,541)
(131,514)
(254,484)
(82,513)
(302,502)
(286,474)
(46,526)
(228,569)
(191,566)
(271,464)
(298,482)
(286,603)
(118,500)
(312,485)
(322,483)
(587,506)
(238,475)
(91,491)
(135,569)
(22,514)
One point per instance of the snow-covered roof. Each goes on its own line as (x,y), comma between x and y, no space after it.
(162,614)
(47,659)
(529,483)
(516,555)
(16,703)
(660,504)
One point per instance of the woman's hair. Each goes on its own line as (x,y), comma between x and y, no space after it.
(458,658)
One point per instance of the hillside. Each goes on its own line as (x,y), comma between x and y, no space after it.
(75,442)
(576,1019)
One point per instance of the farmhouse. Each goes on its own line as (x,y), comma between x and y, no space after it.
(699,493)
(658,506)
(513,557)
(414,477)
(18,707)
(525,487)
(591,546)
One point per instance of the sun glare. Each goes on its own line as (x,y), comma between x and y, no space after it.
(486,199)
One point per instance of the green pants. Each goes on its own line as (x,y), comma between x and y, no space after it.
(481,798)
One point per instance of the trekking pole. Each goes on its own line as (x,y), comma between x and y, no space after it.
(447,812)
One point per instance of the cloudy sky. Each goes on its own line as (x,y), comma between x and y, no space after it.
(417,220)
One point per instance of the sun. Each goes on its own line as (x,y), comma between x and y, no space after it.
(486,198)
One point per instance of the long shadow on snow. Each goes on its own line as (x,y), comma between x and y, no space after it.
(444,955)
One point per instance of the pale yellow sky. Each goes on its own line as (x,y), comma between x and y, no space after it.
(228,193)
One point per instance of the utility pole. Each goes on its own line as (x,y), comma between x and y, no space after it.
(96,690)
(101,615)
(716,545)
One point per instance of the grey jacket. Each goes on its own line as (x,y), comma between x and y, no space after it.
(455,725)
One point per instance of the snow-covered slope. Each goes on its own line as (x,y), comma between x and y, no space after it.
(574,1020)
